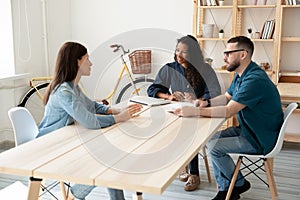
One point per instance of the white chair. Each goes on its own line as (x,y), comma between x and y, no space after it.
(24,126)
(25,130)
(266,159)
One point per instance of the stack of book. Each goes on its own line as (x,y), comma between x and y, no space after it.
(292,2)
(268,29)
(208,2)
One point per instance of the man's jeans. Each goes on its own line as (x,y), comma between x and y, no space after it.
(223,142)
(81,191)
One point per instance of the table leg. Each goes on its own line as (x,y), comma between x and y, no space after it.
(34,188)
(137,196)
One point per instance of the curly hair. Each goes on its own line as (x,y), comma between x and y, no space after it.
(195,61)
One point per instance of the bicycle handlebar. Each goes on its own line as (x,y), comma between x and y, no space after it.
(117,48)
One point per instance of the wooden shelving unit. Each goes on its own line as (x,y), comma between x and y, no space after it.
(284,73)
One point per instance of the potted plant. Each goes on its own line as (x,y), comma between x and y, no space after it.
(249,32)
(221,33)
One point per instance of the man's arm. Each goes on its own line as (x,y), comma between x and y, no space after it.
(219,108)
(228,110)
(220,100)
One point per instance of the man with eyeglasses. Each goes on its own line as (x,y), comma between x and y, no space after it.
(256,101)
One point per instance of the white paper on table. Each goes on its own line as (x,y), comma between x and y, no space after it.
(173,106)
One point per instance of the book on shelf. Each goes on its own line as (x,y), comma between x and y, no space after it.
(202,3)
(292,2)
(213,2)
(268,29)
(209,2)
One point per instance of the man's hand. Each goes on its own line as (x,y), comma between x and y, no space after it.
(128,113)
(187,111)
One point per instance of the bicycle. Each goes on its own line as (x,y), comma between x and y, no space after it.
(33,98)
(137,86)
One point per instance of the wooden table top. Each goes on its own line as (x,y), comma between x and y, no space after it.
(143,154)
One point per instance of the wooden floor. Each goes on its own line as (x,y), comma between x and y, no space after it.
(286,172)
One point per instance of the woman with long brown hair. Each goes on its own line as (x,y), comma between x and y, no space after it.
(66,103)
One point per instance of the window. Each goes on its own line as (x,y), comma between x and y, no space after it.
(6,40)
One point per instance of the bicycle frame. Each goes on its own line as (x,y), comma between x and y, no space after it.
(33,84)
(124,69)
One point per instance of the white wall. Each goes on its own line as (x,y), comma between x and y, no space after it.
(101,23)
(94,21)
(29,35)
(91,22)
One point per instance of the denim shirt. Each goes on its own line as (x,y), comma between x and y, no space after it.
(67,104)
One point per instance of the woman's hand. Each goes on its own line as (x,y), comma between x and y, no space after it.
(176,96)
(128,113)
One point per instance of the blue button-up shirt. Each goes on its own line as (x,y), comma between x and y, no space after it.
(262,117)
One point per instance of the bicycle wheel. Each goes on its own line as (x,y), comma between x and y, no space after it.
(127,91)
(34,103)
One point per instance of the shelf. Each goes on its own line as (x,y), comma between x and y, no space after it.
(290,6)
(273,50)
(225,39)
(290,137)
(262,40)
(212,39)
(289,91)
(290,39)
(289,73)
(257,6)
(216,7)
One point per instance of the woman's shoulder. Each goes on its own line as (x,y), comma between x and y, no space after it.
(171,65)
(64,87)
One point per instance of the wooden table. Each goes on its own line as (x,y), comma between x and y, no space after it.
(143,154)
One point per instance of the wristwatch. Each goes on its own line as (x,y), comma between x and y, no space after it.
(208,102)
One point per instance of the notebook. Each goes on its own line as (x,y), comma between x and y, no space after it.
(149,101)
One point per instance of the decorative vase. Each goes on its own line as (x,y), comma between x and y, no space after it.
(208,30)
(221,35)
(221,3)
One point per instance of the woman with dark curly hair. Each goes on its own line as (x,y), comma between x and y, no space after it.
(187,79)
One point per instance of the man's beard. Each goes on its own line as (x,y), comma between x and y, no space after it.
(233,66)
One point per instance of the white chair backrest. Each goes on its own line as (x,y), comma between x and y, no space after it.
(24,126)
(287,113)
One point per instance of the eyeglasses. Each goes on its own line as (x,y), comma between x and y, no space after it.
(227,53)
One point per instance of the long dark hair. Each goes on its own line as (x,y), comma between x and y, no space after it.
(66,66)
(195,61)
